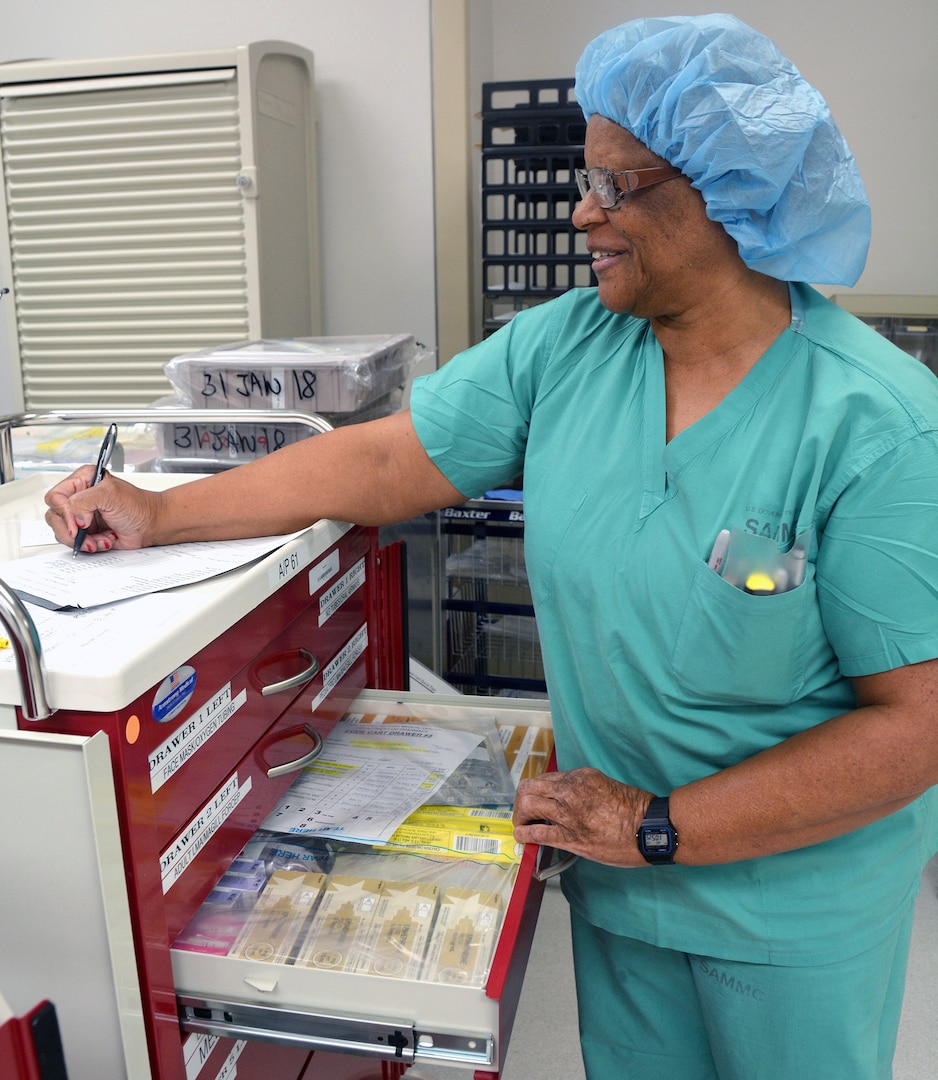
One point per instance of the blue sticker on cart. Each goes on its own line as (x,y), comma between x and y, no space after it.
(174,693)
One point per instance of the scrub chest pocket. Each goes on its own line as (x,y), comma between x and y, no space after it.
(732,646)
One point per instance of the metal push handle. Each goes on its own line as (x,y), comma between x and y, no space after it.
(25,641)
(145,416)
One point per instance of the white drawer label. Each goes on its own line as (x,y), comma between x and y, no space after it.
(323,570)
(288,566)
(196,1050)
(201,829)
(229,1070)
(171,755)
(334,671)
(334,598)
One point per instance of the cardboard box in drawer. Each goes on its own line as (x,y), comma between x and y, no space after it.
(321,375)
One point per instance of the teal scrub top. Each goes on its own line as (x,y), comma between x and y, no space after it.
(660,671)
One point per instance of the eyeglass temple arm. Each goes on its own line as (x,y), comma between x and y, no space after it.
(639,178)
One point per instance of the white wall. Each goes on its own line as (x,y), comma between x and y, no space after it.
(875,61)
(373,83)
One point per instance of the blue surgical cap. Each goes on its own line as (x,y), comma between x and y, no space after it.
(719,101)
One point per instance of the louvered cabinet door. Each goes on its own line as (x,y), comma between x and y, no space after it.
(131,220)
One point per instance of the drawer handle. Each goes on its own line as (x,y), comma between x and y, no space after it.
(545,873)
(300,762)
(294,680)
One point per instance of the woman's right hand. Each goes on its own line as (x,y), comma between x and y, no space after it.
(115,513)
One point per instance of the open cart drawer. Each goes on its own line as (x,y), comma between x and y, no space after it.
(459,1014)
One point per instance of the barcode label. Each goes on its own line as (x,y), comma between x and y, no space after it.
(476,845)
(505,815)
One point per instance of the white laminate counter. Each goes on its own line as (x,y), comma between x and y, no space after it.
(102,658)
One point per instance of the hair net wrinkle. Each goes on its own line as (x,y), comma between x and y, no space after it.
(719,101)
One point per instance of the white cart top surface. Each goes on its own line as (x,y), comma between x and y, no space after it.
(101,659)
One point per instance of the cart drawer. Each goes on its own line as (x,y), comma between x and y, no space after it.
(236,707)
(240,802)
(406,1020)
(208,1058)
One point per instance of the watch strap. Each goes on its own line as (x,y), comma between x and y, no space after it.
(658,811)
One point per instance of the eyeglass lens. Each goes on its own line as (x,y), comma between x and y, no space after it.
(600,182)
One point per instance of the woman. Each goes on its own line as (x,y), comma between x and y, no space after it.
(746,777)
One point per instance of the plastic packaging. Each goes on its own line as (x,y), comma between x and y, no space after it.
(428,906)
(482,834)
(310,375)
(379,912)
(464,936)
(277,919)
(483,778)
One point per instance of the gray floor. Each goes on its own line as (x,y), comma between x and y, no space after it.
(917,1052)
(544,1043)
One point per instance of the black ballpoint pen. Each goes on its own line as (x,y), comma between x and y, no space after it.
(107,448)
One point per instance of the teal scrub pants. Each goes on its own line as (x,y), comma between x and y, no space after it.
(655,1014)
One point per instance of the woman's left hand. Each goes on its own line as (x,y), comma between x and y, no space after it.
(584,812)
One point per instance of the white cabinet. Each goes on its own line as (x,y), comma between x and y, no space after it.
(152,206)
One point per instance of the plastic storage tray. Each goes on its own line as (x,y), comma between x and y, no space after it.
(193,447)
(530,113)
(490,633)
(321,375)
(532,140)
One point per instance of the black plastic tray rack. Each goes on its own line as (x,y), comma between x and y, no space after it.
(532,140)
(532,111)
(491,645)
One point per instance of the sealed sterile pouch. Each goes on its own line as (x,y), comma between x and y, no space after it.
(464,937)
(339,930)
(271,931)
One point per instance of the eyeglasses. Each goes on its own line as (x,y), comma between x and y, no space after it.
(601,182)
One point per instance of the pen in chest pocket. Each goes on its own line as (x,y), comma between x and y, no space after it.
(718,554)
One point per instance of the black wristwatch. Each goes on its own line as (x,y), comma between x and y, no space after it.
(656,836)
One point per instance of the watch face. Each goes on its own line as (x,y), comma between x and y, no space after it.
(655,840)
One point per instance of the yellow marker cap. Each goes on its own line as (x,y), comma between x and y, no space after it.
(759,583)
